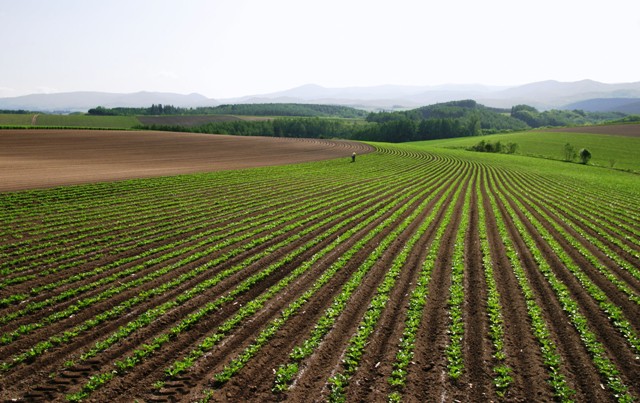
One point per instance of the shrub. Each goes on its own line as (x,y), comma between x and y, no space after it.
(585,156)
(569,152)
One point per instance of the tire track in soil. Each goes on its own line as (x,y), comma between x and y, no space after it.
(238,340)
(181,311)
(318,367)
(521,348)
(580,373)
(618,350)
(427,378)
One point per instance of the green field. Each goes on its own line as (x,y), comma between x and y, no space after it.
(607,151)
(136,288)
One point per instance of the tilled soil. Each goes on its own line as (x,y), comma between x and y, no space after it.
(34,159)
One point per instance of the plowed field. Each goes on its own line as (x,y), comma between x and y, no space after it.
(413,274)
(32,159)
(630,130)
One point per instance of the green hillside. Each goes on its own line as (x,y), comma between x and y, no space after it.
(608,151)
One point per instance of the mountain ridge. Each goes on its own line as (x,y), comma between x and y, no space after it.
(544,95)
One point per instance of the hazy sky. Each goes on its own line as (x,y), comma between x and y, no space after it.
(228,48)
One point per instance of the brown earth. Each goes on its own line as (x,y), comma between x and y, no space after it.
(31,159)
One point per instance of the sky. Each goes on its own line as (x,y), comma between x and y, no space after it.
(231,48)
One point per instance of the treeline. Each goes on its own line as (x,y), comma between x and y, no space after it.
(554,118)
(445,120)
(291,109)
(279,127)
(15,112)
(497,147)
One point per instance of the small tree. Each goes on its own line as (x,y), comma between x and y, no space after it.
(511,148)
(569,152)
(585,156)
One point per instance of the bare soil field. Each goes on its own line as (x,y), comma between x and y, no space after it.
(630,130)
(31,159)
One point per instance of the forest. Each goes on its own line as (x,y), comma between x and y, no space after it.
(284,109)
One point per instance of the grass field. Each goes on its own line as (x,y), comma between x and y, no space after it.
(607,151)
(417,273)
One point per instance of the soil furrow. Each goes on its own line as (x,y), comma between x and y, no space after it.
(583,377)
(242,336)
(521,348)
(427,377)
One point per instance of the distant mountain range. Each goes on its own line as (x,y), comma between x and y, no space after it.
(624,105)
(84,100)
(586,94)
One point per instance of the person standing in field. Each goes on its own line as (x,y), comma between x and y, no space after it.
(353,157)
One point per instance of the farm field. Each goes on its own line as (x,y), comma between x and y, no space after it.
(417,273)
(611,146)
(31,120)
(46,158)
(48,121)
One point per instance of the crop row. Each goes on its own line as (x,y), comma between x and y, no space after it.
(259,278)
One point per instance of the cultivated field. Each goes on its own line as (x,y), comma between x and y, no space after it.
(630,130)
(46,158)
(613,146)
(414,274)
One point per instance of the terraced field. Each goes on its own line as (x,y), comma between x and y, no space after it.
(414,274)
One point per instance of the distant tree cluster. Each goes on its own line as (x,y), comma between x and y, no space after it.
(280,127)
(570,154)
(629,119)
(445,120)
(497,147)
(290,109)
(533,118)
(16,112)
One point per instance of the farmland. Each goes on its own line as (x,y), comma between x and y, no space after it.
(415,274)
(613,146)
(32,159)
